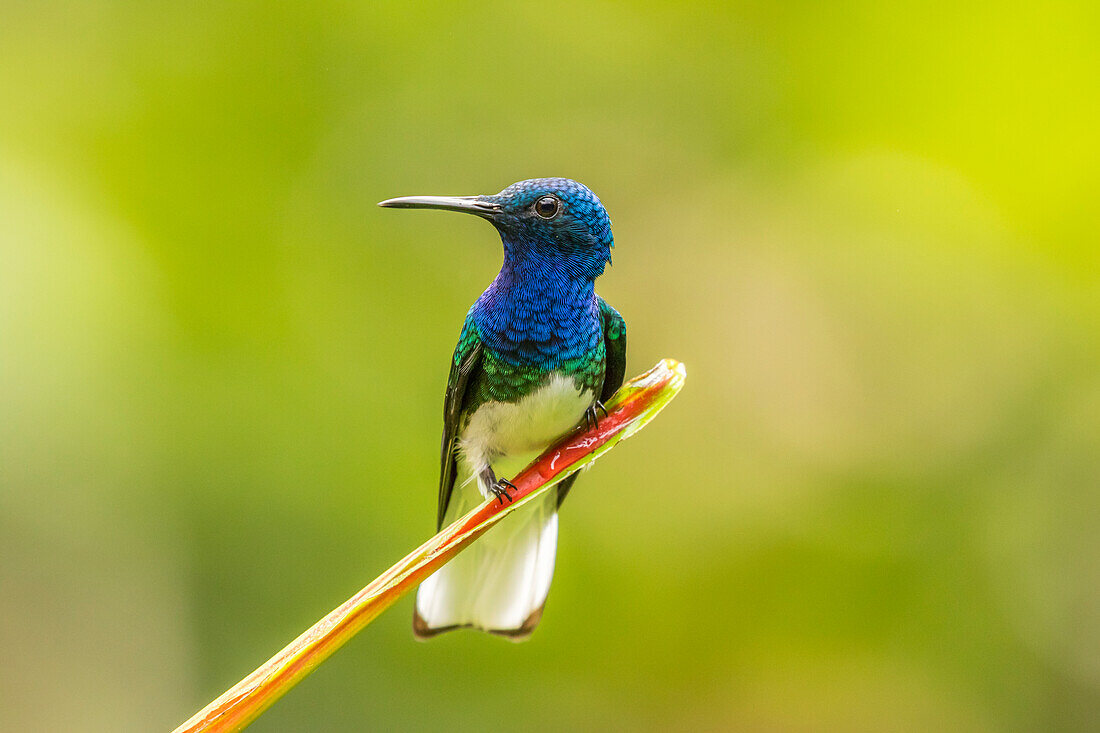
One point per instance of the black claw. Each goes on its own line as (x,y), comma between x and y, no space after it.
(591,415)
(500,487)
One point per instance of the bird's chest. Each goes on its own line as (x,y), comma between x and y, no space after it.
(530,423)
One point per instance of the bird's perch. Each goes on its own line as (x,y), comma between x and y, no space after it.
(630,409)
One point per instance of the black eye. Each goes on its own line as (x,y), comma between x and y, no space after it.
(547,207)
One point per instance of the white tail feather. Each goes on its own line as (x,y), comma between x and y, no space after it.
(500,582)
(502,579)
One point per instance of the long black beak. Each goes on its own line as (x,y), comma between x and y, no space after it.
(469,204)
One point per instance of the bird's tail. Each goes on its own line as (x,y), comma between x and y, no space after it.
(500,582)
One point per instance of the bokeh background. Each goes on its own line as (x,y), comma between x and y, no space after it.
(870,230)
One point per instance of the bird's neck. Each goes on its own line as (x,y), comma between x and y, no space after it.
(553,278)
(537,312)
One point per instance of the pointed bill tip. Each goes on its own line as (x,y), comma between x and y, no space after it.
(401,202)
(467,204)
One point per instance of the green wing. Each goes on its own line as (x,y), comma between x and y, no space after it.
(614,341)
(466,361)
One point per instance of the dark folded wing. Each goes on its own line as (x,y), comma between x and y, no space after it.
(466,361)
(614,341)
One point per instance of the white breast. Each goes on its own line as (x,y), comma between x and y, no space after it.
(502,581)
(521,430)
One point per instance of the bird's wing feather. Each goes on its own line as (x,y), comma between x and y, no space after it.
(614,341)
(466,361)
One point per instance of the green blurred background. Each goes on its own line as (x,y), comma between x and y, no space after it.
(869,230)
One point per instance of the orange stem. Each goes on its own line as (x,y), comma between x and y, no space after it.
(628,411)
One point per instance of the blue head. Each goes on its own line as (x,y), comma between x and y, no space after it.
(553,223)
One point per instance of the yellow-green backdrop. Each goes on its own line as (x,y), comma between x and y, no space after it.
(868,228)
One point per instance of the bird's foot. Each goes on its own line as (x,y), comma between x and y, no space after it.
(592,414)
(499,489)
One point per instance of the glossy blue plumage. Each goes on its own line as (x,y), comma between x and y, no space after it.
(541,310)
(541,323)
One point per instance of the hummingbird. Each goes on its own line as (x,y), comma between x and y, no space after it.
(538,353)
